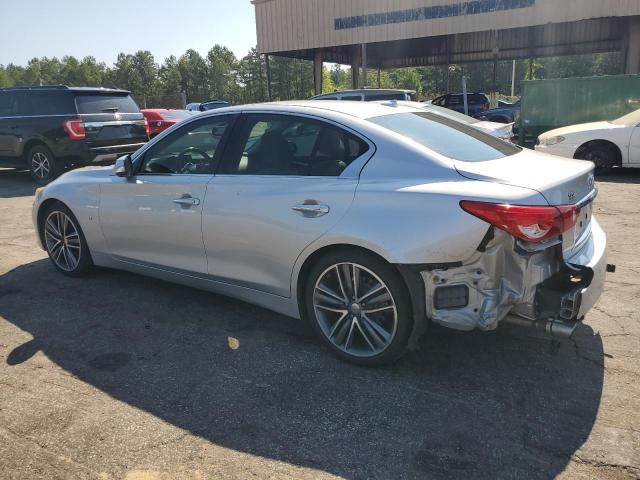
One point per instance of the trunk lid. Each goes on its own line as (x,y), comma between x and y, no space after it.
(560,181)
(110,118)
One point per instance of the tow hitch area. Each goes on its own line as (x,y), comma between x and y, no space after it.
(509,281)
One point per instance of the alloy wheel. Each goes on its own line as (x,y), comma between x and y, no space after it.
(63,241)
(355,310)
(40,165)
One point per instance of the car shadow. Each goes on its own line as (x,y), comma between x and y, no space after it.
(16,183)
(620,175)
(467,405)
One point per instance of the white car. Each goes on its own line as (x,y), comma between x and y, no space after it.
(606,144)
(499,130)
(366,221)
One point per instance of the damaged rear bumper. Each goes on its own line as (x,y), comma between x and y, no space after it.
(506,281)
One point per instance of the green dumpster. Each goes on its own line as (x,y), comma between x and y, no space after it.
(549,104)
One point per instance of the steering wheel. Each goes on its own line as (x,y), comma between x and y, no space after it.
(194,150)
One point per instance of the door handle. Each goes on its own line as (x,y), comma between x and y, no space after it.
(187,201)
(311,209)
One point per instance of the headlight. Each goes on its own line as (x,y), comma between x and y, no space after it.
(548,141)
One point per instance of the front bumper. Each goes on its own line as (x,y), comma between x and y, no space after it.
(505,282)
(562,149)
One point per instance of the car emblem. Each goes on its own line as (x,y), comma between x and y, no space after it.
(572,196)
(118,116)
(591,180)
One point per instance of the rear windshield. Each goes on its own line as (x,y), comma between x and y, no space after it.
(106,104)
(176,114)
(445,112)
(447,137)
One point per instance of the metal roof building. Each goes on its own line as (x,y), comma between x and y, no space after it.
(398,33)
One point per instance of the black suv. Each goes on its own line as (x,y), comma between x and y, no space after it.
(48,128)
(476,102)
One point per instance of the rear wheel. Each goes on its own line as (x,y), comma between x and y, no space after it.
(42,164)
(359,306)
(603,157)
(65,242)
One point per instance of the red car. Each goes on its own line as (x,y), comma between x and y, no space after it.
(160,119)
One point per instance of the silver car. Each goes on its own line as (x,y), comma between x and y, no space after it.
(366,221)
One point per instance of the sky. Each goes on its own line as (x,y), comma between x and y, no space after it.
(102,29)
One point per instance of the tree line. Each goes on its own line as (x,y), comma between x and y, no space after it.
(220,75)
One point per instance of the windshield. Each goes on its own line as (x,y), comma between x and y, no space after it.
(629,119)
(447,137)
(176,114)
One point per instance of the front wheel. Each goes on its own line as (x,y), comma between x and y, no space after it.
(65,242)
(359,306)
(603,157)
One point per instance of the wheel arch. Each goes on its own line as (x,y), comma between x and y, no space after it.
(411,278)
(33,142)
(599,142)
(44,206)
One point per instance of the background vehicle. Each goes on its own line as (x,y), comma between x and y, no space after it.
(606,144)
(476,102)
(159,119)
(368,95)
(48,128)
(193,107)
(365,220)
(213,105)
(506,113)
(499,130)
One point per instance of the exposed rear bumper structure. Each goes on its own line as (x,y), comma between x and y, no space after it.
(505,282)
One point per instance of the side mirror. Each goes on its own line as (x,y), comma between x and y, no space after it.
(124,167)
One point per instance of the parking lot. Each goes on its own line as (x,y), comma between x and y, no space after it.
(120,376)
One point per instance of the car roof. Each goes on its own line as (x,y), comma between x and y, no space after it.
(101,90)
(362,110)
(365,90)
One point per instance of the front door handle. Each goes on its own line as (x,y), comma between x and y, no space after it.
(309,209)
(187,201)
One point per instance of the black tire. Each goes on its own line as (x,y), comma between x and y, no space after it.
(79,247)
(397,289)
(604,157)
(42,164)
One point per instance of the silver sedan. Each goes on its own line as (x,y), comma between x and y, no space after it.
(364,220)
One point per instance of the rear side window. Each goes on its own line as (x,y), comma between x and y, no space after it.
(106,104)
(352,98)
(50,103)
(6,104)
(386,96)
(288,145)
(447,137)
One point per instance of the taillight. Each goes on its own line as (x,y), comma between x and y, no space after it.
(533,224)
(147,131)
(75,129)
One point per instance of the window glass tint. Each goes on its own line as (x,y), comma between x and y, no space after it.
(386,96)
(106,104)
(440,101)
(6,104)
(51,103)
(293,146)
(447,137)
(326,98)
(192,149)
(352,98)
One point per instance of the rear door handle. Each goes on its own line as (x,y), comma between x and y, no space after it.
(187,201)
(311,209)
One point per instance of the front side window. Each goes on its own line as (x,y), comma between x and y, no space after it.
(292,146)
(193,149)
(352,98)
(450,138)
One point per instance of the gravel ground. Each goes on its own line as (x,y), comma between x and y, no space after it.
(117,376)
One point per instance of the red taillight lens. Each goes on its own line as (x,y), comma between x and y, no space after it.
(534,224)
(75,129)
(147,131)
